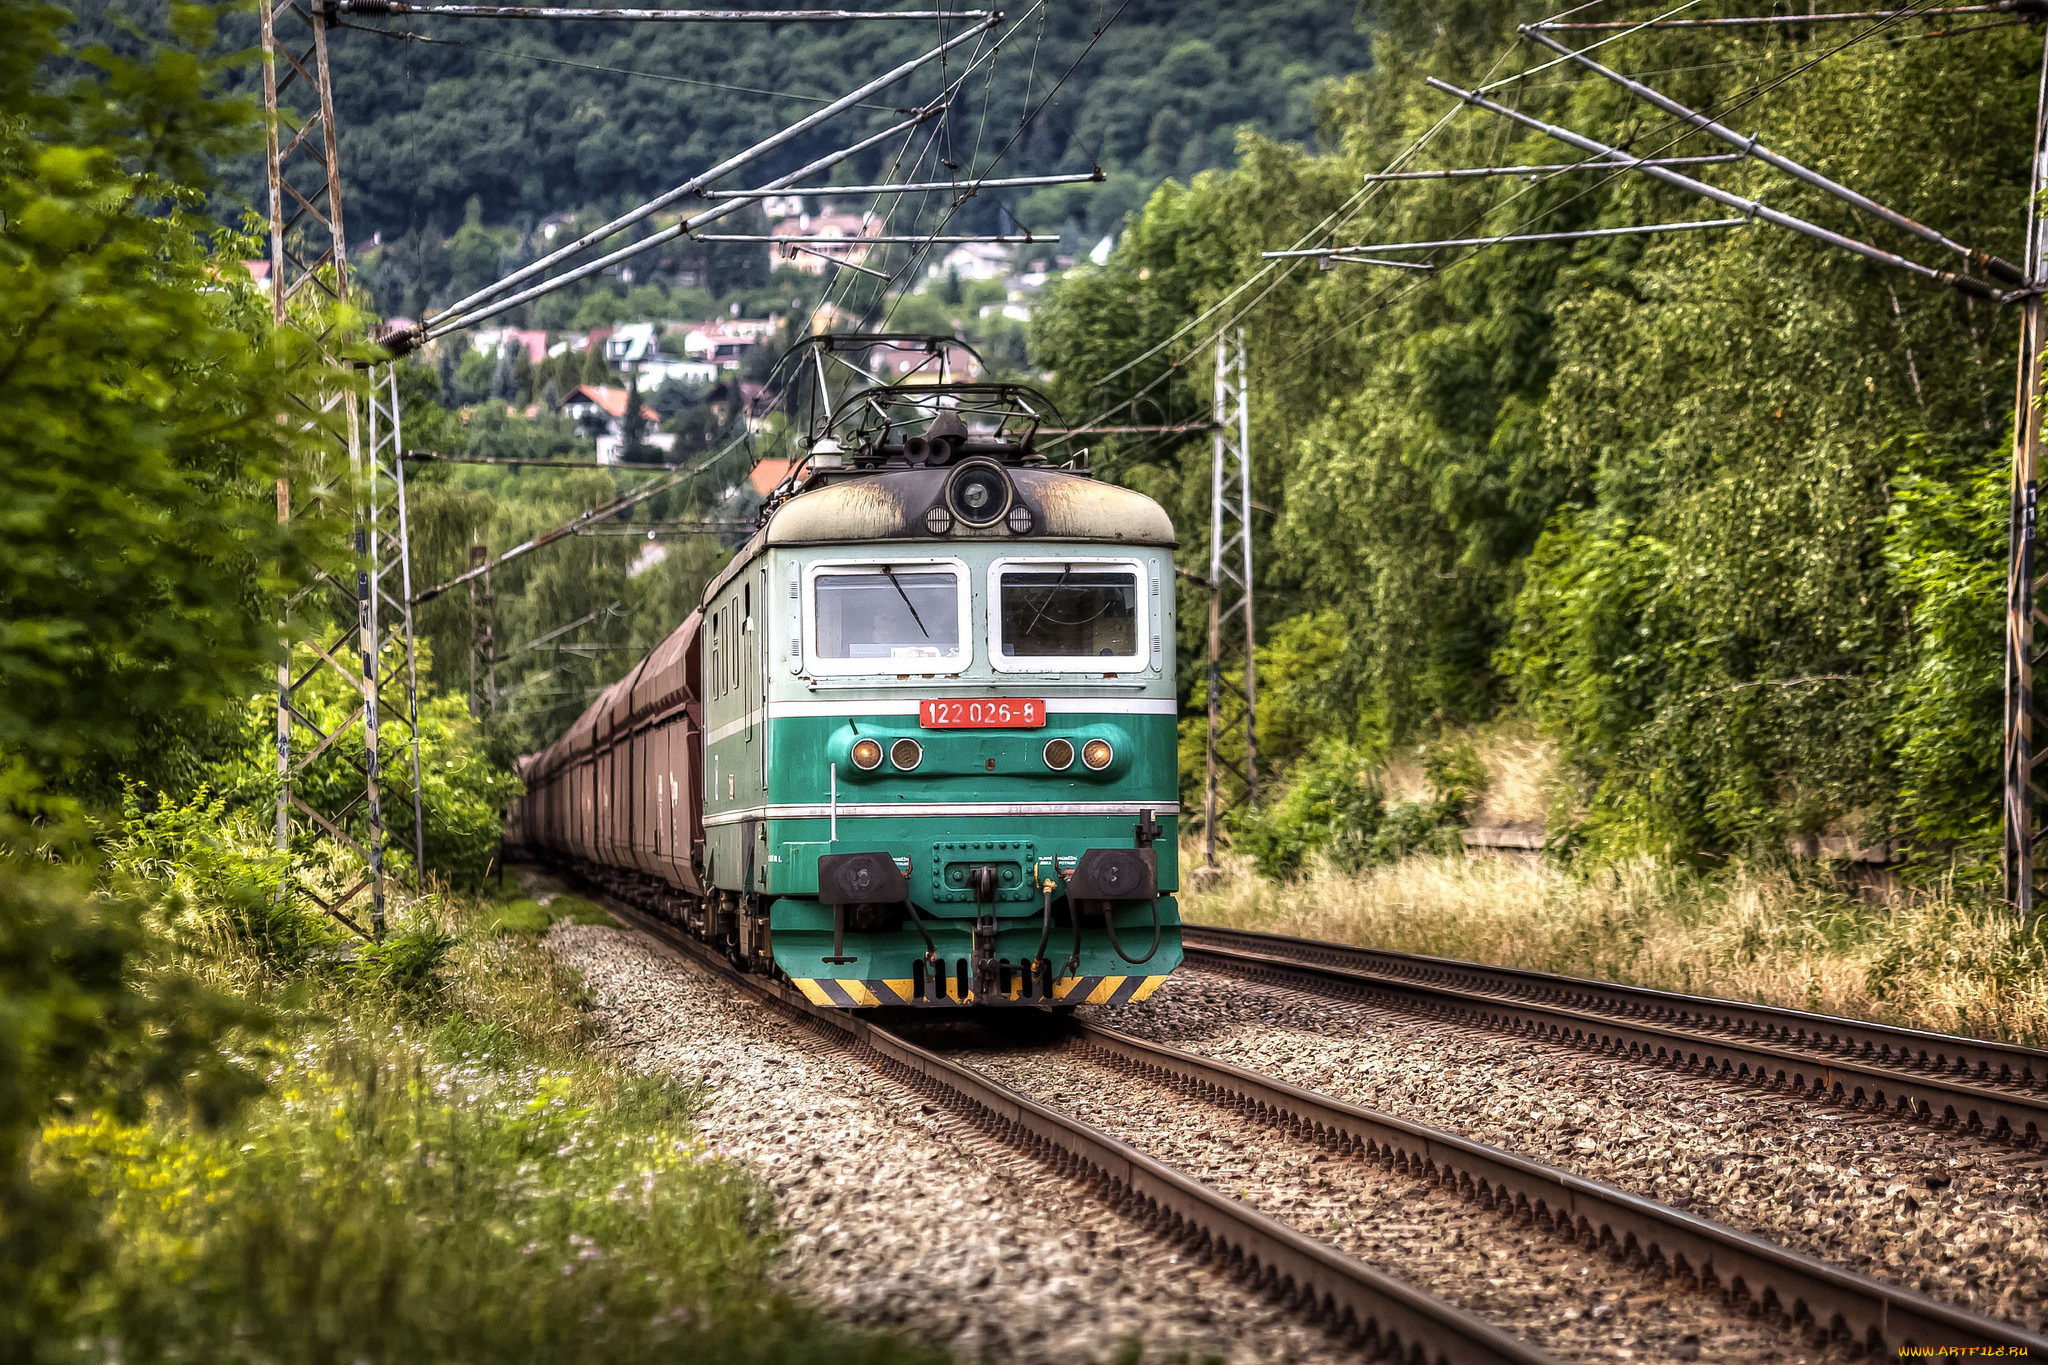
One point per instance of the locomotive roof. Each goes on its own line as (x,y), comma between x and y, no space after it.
(891,505)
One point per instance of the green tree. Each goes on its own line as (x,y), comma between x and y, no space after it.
(1715,508)
(141,391)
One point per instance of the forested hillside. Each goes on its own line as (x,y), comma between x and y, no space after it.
(1723,512)
(538,118)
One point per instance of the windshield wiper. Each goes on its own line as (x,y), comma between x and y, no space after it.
(1046,605)
(890,574)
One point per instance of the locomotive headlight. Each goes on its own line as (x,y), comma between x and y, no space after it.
(1059,754)
(979,493)
(906,754)
(1097,754)
(867,755)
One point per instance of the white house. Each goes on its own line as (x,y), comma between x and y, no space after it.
(635,348)
(974,261)
(600,411)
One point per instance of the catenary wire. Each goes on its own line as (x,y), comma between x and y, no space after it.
(1395,293)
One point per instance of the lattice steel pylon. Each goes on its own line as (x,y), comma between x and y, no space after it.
(308,278)
(1232,611)
(2021,778)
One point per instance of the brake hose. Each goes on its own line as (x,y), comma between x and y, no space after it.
(931,949)
(1109,927)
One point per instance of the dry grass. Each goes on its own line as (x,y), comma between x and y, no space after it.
(1936,960)
(1523,781)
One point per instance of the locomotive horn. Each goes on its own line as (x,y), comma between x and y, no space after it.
(918,450)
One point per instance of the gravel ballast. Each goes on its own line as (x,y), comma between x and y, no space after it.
(1959,1217)
(898,1214)
(1578,1304)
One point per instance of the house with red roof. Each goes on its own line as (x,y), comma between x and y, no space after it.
(599,411)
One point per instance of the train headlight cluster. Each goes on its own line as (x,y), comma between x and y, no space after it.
(1097,754)
(1059,755)
(978,493)
(867,755)
(906,754)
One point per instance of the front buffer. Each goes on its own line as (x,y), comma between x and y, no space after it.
(980,920)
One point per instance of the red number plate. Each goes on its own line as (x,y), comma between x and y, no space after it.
(1007,713)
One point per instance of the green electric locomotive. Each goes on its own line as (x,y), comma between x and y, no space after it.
(918,746)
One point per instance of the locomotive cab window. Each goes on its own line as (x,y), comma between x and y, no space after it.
(1056,615)
(902,617)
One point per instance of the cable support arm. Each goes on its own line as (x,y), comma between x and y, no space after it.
(828,256)
(380,8)
(1480,172)
(447,323)
(577,523)
(1623,161)
(2029,8)
(1974,259)
(968,187)
(433,457)
(1349,253)
(611,609)
(689,187)
(881,238)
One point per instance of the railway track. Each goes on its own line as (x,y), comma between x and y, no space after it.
(1996,1088)
(1381,1314)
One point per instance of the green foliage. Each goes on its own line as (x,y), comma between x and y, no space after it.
(530,918)
(407,967)
(464,788)
(1718,510)
(385,1205)
(1945,549)
(79,1029)
(1334,805)
(140,390)
(202,875)
(512,125)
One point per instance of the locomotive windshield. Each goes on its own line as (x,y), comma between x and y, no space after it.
(885,613)
(1069,611)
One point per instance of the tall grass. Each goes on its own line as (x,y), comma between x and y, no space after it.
(1936,959)
(440,1167)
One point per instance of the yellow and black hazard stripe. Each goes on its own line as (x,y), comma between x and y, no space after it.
(858,993)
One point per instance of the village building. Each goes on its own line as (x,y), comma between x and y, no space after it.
(599,411)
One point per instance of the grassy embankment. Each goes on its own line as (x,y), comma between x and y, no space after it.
(1934,958)
(442,1167)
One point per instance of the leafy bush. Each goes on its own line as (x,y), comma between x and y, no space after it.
(464,790)
(1333,804)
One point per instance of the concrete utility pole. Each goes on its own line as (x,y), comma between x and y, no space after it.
(1232,622)
(308,275)
(2022,783)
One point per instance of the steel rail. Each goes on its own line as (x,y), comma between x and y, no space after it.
(1996,1086)
(1829,1302)
(1346,1296)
